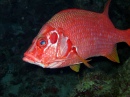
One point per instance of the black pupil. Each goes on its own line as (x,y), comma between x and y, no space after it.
(42,42)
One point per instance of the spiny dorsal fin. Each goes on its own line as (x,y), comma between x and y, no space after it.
(105,12)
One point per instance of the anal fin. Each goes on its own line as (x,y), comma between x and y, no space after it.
(113,56)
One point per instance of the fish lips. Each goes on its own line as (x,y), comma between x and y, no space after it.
(32,60)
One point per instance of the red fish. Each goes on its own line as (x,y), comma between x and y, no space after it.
(73,35)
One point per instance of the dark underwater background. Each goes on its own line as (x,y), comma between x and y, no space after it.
(21,20)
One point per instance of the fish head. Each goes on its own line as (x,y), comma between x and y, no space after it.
(49,49)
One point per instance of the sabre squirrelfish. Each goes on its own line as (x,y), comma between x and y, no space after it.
(73,35)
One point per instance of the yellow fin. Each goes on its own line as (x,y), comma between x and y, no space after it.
(113,56)
(83,60)
(75,67)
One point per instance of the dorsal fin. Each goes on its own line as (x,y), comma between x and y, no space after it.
(105,12)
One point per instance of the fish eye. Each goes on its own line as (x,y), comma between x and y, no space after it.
(42,41)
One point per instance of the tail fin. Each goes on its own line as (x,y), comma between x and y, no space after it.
(128,36)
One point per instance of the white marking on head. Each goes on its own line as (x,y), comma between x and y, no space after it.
(49,42)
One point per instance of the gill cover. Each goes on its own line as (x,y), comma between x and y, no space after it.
(49,48)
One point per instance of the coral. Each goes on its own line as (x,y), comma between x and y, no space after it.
(99,84)
(94,84)
(123,79)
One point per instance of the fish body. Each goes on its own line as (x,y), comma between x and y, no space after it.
(73,35)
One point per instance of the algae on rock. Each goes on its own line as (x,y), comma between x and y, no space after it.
(100,84)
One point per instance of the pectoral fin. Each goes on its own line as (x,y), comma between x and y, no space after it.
(85,62)
(75,67)
(82,60)
(113,56)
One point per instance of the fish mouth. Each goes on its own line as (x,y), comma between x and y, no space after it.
(32,60)
(29,58)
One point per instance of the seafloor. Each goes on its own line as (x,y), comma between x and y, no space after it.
(20,21)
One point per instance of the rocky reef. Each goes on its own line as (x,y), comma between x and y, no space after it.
(101,84)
